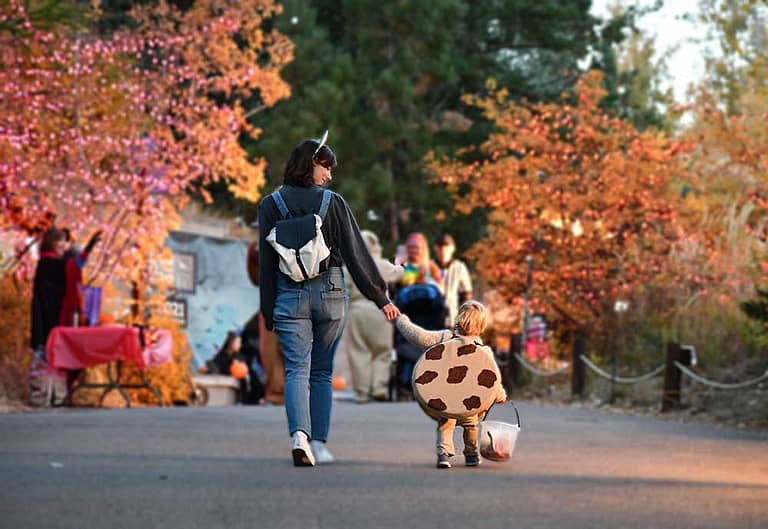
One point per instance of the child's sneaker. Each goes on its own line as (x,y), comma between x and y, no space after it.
(443,461)
(471,460)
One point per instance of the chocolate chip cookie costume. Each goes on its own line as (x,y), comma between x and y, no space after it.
(456,378)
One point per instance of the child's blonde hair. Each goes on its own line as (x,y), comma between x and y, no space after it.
(471,319)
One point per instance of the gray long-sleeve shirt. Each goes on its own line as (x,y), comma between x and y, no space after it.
(418,336)
(341,234)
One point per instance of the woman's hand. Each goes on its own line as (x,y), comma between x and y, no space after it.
(390,311)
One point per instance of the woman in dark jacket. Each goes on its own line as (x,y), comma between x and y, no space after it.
(309,316)
(48,287)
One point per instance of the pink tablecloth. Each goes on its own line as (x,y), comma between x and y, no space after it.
(78,347)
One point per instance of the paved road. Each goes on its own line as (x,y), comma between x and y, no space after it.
(230,468)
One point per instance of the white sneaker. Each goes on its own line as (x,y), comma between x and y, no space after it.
(322,455)
(302,452)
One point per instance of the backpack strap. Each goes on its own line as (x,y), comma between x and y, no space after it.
(280,203)
(324,204)
(283,207)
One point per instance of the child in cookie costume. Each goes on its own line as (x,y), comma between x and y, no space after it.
(456,380)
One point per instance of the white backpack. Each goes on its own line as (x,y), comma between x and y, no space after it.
(299,241)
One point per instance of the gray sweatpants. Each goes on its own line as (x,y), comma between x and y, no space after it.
(445,429)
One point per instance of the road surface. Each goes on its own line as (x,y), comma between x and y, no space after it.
(231,468)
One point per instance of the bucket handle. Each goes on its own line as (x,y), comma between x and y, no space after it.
(517,413)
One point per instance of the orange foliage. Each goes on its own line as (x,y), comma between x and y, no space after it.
(173,379)
(729,191)
(14,339)
(114,131)
(587,195)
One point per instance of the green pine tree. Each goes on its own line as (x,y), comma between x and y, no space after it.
(387,79)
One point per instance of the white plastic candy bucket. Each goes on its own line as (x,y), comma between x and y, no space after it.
(497,439)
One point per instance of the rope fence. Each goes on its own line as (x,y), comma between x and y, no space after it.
(622,380)
(720,385)
(679,359)
(539,372)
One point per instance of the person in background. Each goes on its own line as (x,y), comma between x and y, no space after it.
(74,261)
(230,361)
(420,296)
(251,353)
(273,363)
(369,338)
(457,284)
(221,362)
(47,295)
(270,356)
(418,267)
(48,287)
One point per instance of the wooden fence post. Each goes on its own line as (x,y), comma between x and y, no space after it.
(670,397)
(579,369)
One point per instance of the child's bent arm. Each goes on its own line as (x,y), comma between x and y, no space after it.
(418,336)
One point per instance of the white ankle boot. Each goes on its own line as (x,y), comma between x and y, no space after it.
(322,455)
(302,452)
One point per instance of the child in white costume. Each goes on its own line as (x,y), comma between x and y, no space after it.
(470,323)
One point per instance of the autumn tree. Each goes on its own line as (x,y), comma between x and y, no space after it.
(114,130)
(728,125)
(585,194)
(729,165)
(728,188)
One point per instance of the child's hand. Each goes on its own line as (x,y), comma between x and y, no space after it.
(391,311)
(501,398)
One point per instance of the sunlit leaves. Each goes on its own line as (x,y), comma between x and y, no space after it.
(115,130)
(586,194)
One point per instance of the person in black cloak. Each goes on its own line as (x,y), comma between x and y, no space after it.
(47,296)
(48,287)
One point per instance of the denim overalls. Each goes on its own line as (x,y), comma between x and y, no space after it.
(309,319)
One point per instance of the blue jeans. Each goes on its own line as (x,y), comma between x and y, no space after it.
(309,319)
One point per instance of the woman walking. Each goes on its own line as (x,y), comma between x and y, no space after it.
(309,314)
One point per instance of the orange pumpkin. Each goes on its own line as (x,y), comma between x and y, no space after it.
(339,383)
(238,369)
(106,319)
